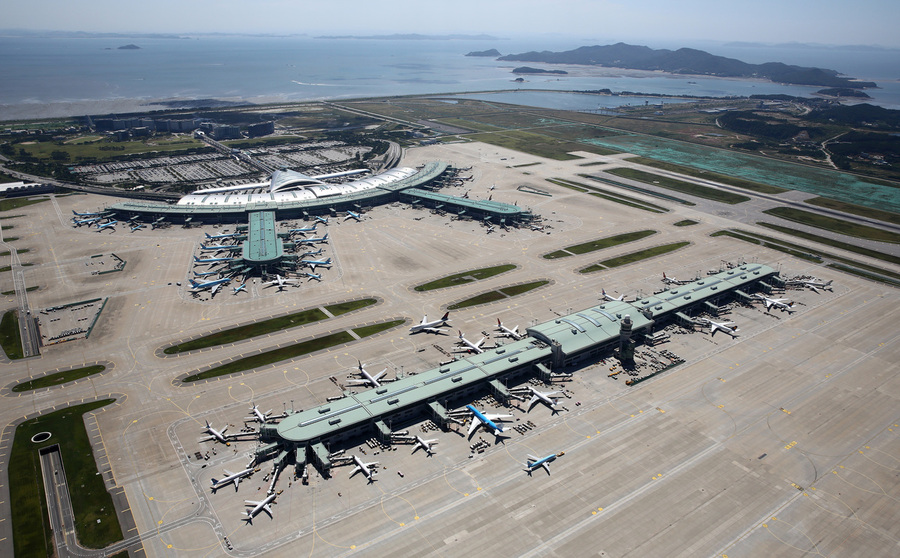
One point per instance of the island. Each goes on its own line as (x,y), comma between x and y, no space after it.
(529,70)
(129,47)
(689,61)
(489,53)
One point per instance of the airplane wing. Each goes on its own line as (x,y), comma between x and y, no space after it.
(497,417)
(268,509)
(534,399)
(432,330)
(546,466)
(378,376)
(214,290)
(473,426)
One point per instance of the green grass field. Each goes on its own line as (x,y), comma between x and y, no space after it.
(834,243)
(96,523)
(832,224)
(710,175)
(599,244)
(465,277)
(680,186)
(607,195)
(626,259)
(853,209)
(9,335)
(59,378)
(105,149)
(293,351)
(499,294)
(266,327)
(16,203)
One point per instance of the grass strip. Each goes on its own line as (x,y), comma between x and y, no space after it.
(465,277)
(634,257)
(266,327)
(59,378)
(599,244)
(290,352)
(9,335)
(27,290)
(16,203)
(96,523)
(709,175)
(865,274)
(861,210)
(680,186)
(609,196)
(787,248)
(685,223)
(833,224)
(833,243)
(637,189)
(499,294)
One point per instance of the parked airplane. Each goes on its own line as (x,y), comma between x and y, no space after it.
(213,285)
(487,421)
(88,214)
(424,444)
(211,260)
(816,285)
(282,282)
(544,397)
(611,298)
(672,280)
(367,378)
(313,240)
(471,347)
(430,327)
(312,253)
(137,227)
(320,263)
(110,225)
(214,434)
(312,276)
(219,247)
(230,478)
(727,327)
(161,222)
(89,221)
(782,304)
(265,505)
(221,236)
(259,415)
(353,215)
(365,468)
(533,462)
(239,288)
(205,273)
(303,230)
(506,332)
(323,220)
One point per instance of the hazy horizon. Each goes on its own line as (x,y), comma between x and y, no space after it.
(651,22)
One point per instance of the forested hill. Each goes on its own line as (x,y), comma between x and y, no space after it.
(688,61)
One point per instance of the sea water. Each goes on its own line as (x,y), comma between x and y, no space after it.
(61,76)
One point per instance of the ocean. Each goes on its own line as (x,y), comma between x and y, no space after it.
(52,77)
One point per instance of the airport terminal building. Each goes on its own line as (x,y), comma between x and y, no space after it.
(582,337)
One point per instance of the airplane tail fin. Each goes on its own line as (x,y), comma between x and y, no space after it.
(446,317)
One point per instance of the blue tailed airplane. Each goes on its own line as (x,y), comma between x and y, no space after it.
(111,226)
(533,462)
(487,421)
(312,253)
(213,285)
(85,214)
(314,240)
(323,220)
(312,276)
(211,260)
(90,221)
(221,236)
(205,273)
(137,227)
(303,230)
(353,215)
(239,288)
(219,247)
(313,263)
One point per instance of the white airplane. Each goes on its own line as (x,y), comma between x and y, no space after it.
(89,221)
(313,240)
(612,298)
(533,462)
(220,248)
(431,327)
(672,280)
(111,226)
(211,260)
(353,215)
(312,253)
(230,478)
(727,327)
(260,416)
(239,288)
(312,276)
(265,505)
(313,263)
(816,285)
(471,347)
(303,230)
(424,444)
(221,236)
(544,397)
(365,468)
(88,214)
(280,281)
(213,285)
(205,273)
(214,434)
(368,379)
(782,304)
(506,332)
(487,421)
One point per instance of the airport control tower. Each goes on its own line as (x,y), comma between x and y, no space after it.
(626,345)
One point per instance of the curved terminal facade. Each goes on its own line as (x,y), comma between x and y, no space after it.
(583,336)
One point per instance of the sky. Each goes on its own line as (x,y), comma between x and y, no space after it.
(651,22)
